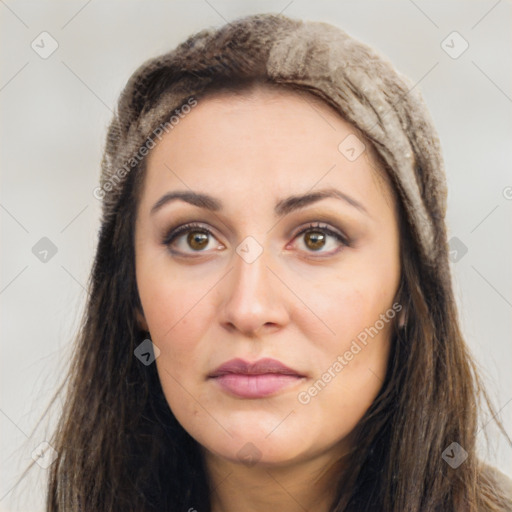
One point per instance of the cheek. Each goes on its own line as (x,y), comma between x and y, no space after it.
(178,315)
(338,308)
(170,302)
(350,365)
(350,341)
(177,319)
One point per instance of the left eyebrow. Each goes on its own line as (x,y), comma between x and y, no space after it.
(292,203)
(282,207)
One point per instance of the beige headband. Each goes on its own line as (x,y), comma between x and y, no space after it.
(362,85)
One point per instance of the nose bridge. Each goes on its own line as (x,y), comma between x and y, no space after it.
(253,297)
(250,282)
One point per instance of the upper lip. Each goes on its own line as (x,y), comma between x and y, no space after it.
(260,367)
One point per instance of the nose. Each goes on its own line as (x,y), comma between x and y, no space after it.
(254,298)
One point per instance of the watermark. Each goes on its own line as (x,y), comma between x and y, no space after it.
(249,454)
(304,397)
(44,45)
(44,250)
(507,192)
(249,249)
(454,455)
(117,178)
(457,249)
(454,45)
(45,455)
(147,352)
(351,147)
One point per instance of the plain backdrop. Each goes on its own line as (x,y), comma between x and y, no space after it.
(54,115)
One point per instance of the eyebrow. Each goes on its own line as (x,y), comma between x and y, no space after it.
(282,207)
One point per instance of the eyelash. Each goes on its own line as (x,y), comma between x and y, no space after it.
(173,234)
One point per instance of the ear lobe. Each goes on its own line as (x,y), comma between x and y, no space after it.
(141,321)
(402,318)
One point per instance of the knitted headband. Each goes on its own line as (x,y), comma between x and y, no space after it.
(361,85)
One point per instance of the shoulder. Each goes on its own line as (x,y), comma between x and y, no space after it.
(499,478)
(497,485)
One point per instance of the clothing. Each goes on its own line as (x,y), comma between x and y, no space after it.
(502,481)
(372,95)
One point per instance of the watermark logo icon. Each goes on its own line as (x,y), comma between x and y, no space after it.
(455,455)
(44,45)
(351,147)
(44,250)
(249,454)
(44,455)
(249,249)
(454,45)
(457,248)
(147,352)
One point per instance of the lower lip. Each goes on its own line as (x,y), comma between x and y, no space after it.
(255,386)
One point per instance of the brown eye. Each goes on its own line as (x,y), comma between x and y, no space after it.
(197,240)
(189,238)
(314,240)
(316,237)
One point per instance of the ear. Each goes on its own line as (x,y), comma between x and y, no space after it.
(141,320)
(402,318)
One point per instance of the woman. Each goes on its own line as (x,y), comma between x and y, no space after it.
(271,323)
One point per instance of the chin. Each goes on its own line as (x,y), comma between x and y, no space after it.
(257,448)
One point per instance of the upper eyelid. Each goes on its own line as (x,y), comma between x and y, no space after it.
(319,225)
(184,228)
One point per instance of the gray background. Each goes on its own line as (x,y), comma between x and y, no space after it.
(55,113)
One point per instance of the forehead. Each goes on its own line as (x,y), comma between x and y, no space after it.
(263,139)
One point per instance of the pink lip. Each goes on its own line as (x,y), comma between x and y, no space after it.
(254,380)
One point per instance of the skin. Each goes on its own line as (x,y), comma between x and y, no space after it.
(304,307)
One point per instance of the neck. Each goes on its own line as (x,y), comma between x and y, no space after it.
(308,485)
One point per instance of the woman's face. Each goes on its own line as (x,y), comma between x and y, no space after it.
(294,257)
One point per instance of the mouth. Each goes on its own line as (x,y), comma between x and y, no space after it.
(260,379)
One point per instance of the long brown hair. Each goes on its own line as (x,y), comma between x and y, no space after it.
(119,445)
